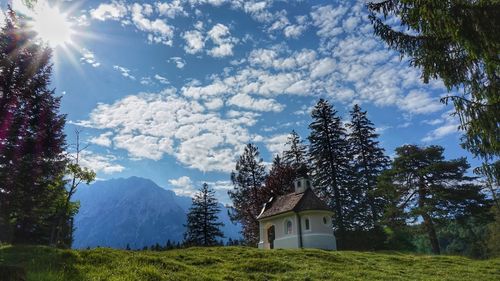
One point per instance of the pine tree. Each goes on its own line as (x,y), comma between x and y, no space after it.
(296,156)
(203,227)
(367,163)
(247,195)
(329,153)
(456,41)
(32,141)
(422,184)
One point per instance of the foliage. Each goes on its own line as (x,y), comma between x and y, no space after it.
(368,160)
(421,184)
(202,226)
(32,141)
(247,196)
(330,161)
(241,263)
(493,240)
(280,179)
(456,41)
(296,156)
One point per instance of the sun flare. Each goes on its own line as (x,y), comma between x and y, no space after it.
(52,26)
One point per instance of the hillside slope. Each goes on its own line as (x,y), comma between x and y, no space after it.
(240,263)
(134,211)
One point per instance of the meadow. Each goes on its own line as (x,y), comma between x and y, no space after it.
(240,263)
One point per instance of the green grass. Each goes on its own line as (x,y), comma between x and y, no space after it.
(240,263)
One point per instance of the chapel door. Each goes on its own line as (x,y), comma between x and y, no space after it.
(271,236)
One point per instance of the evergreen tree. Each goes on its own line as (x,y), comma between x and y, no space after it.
(296,156)
(247,195)
(32,141)
(424,185)
(367,163)
(203,227)
(329,153)
(456,41)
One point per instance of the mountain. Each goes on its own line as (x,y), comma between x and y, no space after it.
(134,211)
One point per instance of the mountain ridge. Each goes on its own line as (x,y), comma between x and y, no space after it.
(133,211)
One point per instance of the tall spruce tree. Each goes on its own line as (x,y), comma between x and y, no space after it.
(423,185)
(367,163)
(296,156)
(247,196)
(456,41)
(330,160)
(203,227)
(32,141)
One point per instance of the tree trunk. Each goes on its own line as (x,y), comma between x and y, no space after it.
(428,224)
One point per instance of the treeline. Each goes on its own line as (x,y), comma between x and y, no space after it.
(38,176)
(171,245)
(418,201)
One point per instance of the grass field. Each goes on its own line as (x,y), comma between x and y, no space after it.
(240,263)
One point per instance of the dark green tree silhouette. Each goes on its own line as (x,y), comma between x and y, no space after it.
(32,142)
(203,227)
(423,185)
(248,196)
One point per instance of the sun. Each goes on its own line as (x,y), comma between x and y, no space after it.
(52,25)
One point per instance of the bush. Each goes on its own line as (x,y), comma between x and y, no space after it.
(12,273)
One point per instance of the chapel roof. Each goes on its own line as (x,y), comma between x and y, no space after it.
(297,202)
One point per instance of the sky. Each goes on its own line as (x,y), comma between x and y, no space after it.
(173,90)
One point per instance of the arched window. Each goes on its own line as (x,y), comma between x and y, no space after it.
(288,227)
(325,220)
(307,224)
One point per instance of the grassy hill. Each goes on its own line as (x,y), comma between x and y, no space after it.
(240,263)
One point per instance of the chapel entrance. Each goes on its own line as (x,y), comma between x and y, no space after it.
(271,236)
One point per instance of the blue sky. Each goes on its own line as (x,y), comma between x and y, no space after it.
(173,90)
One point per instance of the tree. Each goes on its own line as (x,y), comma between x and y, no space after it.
(203,227)
(296,156)
(62,233)
(247,196)
(368,160)
(280,179)
(424,185)
(330,158)
(32,142)
(456,41)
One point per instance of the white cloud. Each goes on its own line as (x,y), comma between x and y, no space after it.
(247,102)
(161,79)
(450,126)
(420,102)
(100,163)
(124,71)
(219,35)
(110,11)
(183,186)
(171,9)
(179,62)
(149,126)
(102,139)
(277,144)
(159,30)
(89,58)
(194,41)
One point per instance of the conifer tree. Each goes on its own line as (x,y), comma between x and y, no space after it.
(330,160)
(247,196)
(32,141)
(456,41)
(296,156)
(367,163)
(203,227)
(423,185)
